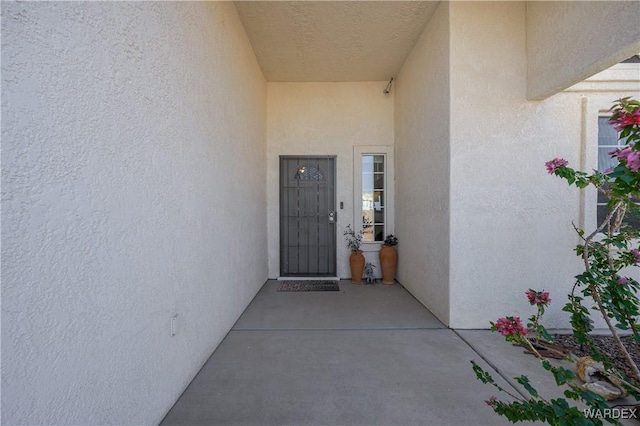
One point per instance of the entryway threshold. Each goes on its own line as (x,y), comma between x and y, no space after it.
(308,279)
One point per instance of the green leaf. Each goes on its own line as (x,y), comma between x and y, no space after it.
(524,381)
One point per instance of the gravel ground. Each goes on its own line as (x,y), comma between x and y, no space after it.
(607,345)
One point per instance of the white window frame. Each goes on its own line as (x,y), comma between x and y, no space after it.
(600,117)
(606,115)
(592,110)
(389,184)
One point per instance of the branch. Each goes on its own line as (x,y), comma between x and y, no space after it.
(616,338)
(634,330)
(596,294)
(587,241)
(532,349)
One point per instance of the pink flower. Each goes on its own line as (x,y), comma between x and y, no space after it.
(554,164)
(636,255)
(492,402)
(633,161)
(531,295)
(510,326)
(623,119)
(623,153)
(623,280)
(543,299)
(630,157)
(540,298)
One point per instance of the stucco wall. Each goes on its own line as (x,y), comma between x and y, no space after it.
(422,167)
(323,119)
(510,221)
(579,38)
(133,167)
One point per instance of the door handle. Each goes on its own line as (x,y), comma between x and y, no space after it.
(332,217)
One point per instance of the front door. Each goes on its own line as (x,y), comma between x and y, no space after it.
(307,216)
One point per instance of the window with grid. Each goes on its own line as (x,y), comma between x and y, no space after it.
(607,142)
(373,197)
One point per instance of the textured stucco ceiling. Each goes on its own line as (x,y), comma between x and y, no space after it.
(333,40)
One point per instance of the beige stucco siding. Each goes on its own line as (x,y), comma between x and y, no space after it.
(569,41)
(510,221)
(422,133)
(133,159)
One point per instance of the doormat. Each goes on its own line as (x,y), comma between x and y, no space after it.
(309,286)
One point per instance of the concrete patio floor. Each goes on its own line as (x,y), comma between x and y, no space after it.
(366,355)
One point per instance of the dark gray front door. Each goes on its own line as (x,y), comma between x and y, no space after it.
(307,216)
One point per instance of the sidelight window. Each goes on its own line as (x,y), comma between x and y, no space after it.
(373,198)
(373,193)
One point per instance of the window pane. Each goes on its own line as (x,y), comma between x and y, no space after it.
(367,182)
(367,230)
(605,162)
(367,199)
(367,164)
(367,217)
(607,135)
(378,161)
(603,211)
(607,142)
(602,199)
(378,216)
(633,219)
(379,233)
(378,181)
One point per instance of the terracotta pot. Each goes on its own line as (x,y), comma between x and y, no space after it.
(388,262)
(356,262)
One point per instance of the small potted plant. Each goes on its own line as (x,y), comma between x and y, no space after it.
(356,260)
(389,259)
